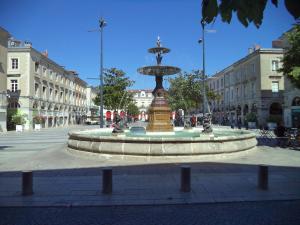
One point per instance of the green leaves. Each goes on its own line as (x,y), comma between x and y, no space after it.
(185,91)
(291,59)
(115,95)
(293,6)
(247,11)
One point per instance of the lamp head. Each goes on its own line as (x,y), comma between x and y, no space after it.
(102,23)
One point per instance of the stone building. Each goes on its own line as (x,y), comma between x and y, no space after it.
(93,110)
(291,103)
(39,87)
(143,99)
(252,84)
(4,35)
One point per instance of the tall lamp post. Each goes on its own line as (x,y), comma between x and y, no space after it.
(206,117)
(102,24)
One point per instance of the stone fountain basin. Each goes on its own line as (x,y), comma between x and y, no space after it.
(153,145)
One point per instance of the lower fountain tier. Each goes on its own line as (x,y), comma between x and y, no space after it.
(159,119)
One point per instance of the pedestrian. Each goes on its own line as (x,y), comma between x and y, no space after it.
(280,134)
(239,123)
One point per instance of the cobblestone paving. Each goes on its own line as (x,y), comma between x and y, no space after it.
(252,213)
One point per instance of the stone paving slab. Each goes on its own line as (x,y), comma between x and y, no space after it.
(133,189)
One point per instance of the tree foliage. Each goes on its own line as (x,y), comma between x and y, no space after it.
(291,59)
(248,11)
(115,95)
(185,91)
(132,109)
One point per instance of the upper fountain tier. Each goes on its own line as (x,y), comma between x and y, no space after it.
(159,70)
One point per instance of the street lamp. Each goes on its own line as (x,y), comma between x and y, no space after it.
(206,118)
(102,24)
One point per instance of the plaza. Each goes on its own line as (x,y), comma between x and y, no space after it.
(67,180)
(95,130)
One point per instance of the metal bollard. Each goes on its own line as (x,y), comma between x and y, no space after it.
(27,183)
(107,181)
(263,177)
(185,179)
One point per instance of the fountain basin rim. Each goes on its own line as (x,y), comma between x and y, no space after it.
(86,136)
(155,146)
(158,70)
(159,49)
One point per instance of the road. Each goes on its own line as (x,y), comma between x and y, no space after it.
(258,213)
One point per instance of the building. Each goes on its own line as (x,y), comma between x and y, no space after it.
(143,100)
(39,87)
(93,110)
(291,103)
(252,84)
(4,35)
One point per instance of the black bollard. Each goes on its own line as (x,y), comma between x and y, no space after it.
(185,179)
(107,181)
(263,177)
(27,183)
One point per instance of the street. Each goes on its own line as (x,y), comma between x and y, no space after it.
(242,213)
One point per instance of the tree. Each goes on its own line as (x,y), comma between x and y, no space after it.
(115,95)
(248,11)
(185,91)
(132,109)
(291,58)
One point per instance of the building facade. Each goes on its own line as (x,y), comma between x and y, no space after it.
(39,87)
(143,100)
(292,93)
(4,35)
(93,115)
(251,84)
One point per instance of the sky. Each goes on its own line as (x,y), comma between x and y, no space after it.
(62,27)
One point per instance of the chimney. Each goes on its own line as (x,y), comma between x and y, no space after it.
(250,50)
(256,47)
(277,44)
(45,53)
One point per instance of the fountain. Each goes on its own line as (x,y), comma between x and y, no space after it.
(160,138)
(159,111)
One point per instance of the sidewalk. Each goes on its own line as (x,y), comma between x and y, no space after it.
(150,185)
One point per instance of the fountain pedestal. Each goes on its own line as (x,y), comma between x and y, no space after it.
(159,119)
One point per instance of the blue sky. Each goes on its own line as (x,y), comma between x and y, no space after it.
(61,27)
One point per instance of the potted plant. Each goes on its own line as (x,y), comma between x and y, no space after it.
(251,120)
(37,121)
(19,120)
(272,121)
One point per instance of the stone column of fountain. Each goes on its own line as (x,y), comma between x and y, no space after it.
(159,111)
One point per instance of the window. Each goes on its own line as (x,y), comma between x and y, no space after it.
(50,92)
(36,88)
(237,93)
(36,67)
(13,105)
(275,65)
(275,86)
(253,89)
(44,91)
(14,63)
(44,70)
(14,85)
